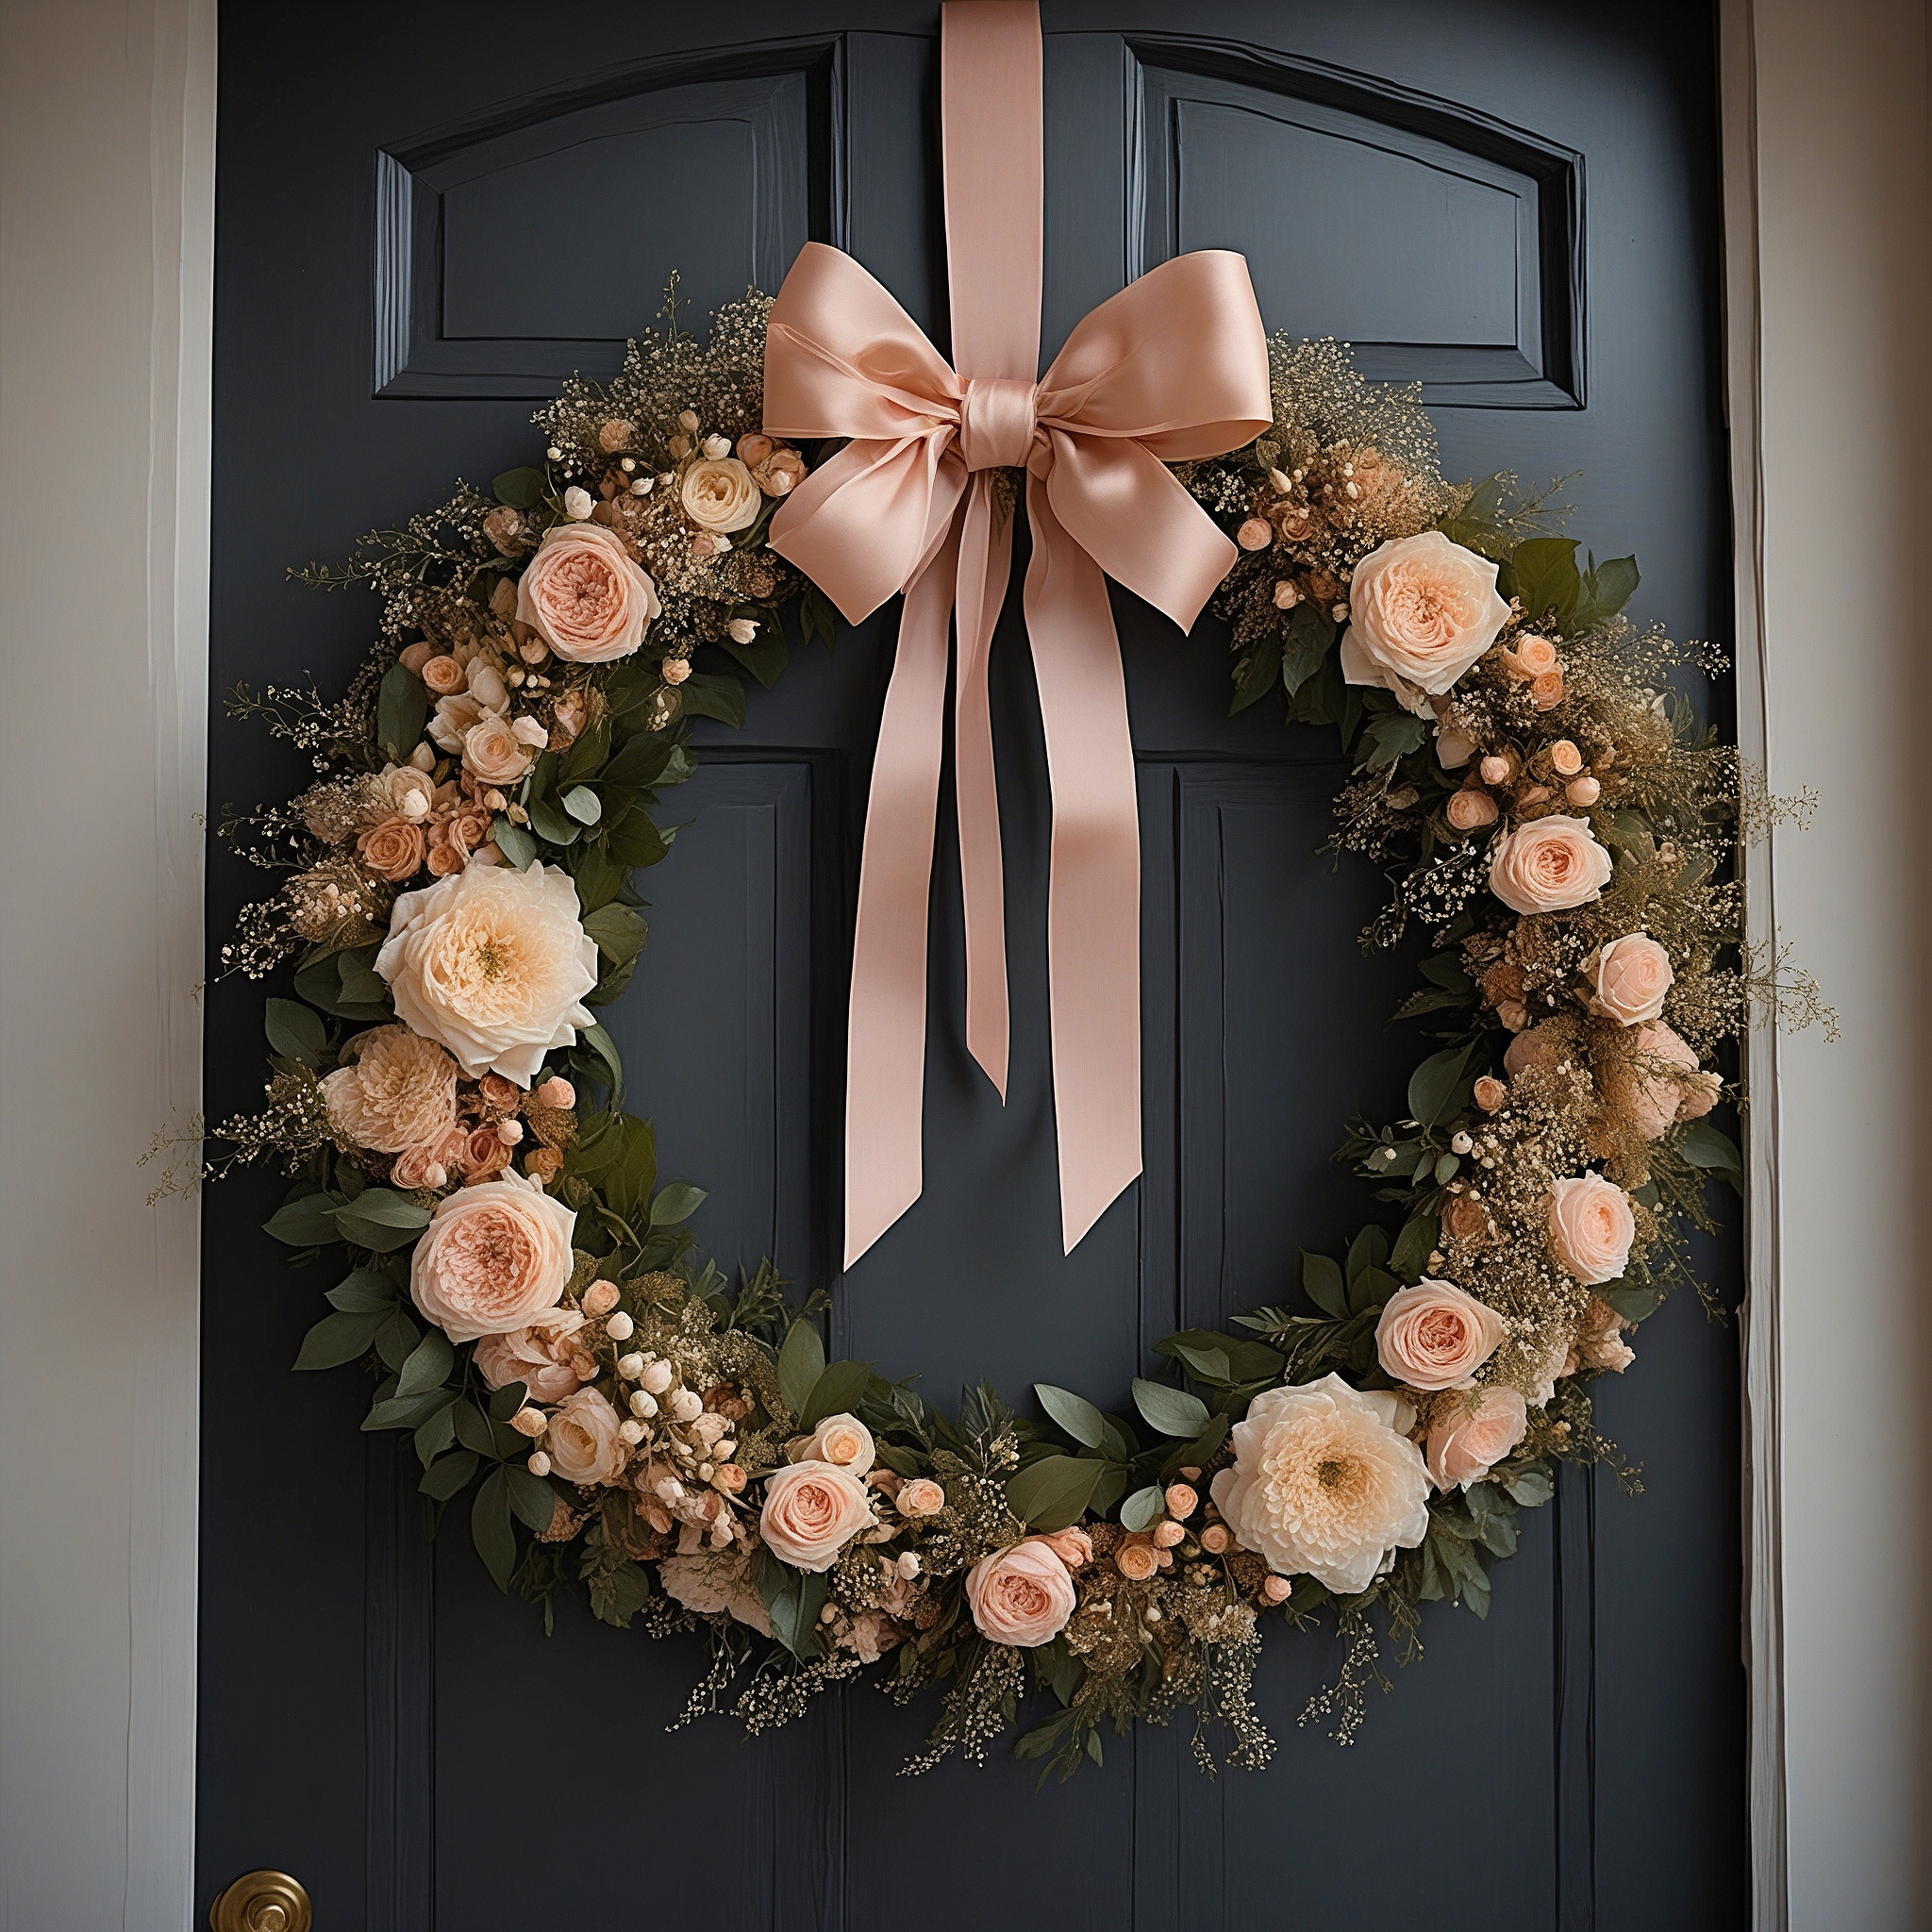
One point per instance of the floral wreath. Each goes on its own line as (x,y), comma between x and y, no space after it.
(528,1302)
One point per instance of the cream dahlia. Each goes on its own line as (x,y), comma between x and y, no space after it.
(396,1092)
(494,963)
(1322,1484)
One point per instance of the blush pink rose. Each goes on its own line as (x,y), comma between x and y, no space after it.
(539,1356)
(1421,611)
(492,1258)
(1435,1336)
(583,1439)
(1631,975)
(1467,1438)
(812,1510)
(842,1440)
(1549,865)
(1021,1595)
(1661,1084)
(1592,1227)
(585,596)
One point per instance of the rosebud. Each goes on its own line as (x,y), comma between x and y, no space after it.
(1181,1501)
(1256,534)
(1565,759)
(1495,769)
(657,1377)
(1490,1093)
(631,1366)
(908,1565)
(1546,692)
(577,504)
(1470,808)
(620,1328)
(1215,1538)
(1286,596)
(600,1298)
(1166,1535)
(1513,1014)
(529,1422)
(423,757)
(631,1430)
(687,1405)
(674,670)
(743,629)
(538,1464)
(614,434)
(510,1132)
(716,446)
(729,1478)
(1276,1588)
(1583,791)
(687,419)
(642,1402)
(1460,1144)
(753,449)
(640,486)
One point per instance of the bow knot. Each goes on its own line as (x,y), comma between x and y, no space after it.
(996,422)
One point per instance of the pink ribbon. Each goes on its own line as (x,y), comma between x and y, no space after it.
(1174,367)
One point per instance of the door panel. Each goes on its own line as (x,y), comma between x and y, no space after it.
(443,217)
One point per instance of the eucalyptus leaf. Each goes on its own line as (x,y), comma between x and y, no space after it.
(582,804)
(1053,1492)
(514,843)
(675,1204)
(296,1031)
(491,1531)
(620,932)
(801,1362)
(340,1337)
(1074,1413)
(1172,1411)
(1143,1509)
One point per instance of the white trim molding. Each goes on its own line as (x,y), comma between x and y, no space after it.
(106,217)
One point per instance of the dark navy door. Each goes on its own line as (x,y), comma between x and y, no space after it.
(427,215)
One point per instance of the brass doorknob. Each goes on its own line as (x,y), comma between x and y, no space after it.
(262,1902)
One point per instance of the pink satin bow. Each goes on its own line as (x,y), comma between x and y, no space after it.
(1173,367)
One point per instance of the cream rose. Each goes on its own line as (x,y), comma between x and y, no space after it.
(1421,611)
(1469,1434)
(1549,865)
(583,1439)
(721,494)
(1324,1484)
(1021,1595)
(1600,1343)
(492,1258)
(539,1355)
(1592,1227)
(843,1440)
(455,718)
(710,1581)
(921,1496)
(494,963)
(585,595)
(398,1091)
(1435,1336)
(1660,1083)
(1630,977)
(493,753)
(812,1510)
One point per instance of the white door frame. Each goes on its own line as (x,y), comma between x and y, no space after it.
(106,179)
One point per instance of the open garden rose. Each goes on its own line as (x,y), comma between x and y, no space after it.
(843,1440)
(1592,1227)
(921,1496)
(1469,1434)
(585,595)
(492,1258)
(493,754)
(494,964)
(812,1510)
(544,1356)
(1323,1485)
(1435,1336)
(720,494)
(1550,864)
(713,1580)
(1630,976)
(1021,1595)
(394,1091)
(583,1440)
(1660,1082)
(1421,611)
(393,850)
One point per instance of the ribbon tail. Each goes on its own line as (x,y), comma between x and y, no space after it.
(986,561)
(1093,911)
(884,1053)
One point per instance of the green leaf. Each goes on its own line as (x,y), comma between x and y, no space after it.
(396,1340)
(801,1362)
(678,1203)
(364,1292)
(436,1435)
(491,1531)
(340,1337)
(1435,1089)
(305,1223)
(1172,1411)
(598,1040)
(1256,673)
(1531,1485)
(1409,1258)
(765,657)
(429,1365)
(1206,1364)
(381,1220)
(1310,633)
(1370,1289)
(835,1392)
(618,1593)
(450,1477)
(1074,1413)
(504,1402)
(552,825)
(402,708)
(1633,1300)
(514,843)
(1390,735)
(1144,1507)
(1608,587)
(620,932)
(1546,578)
(533,1499)
(473,1431)
(1323,1285)
(1369,1249)
(582,805)
(587,752)
(1240,1359)
(635,839)
(1053,1492)
(522,487)
(642,762)
(1709,1147)
(1206,1445)
(707,694)
(296,1031)
(406,1411)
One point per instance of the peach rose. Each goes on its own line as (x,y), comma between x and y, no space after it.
(409,791)
(812,1510)
(1630,977)
(781,473)
(1021,1595)
(492,1258)
(442,675)
(585,596)
(393,850)
(539,1355)
(394,1092)
(1489,1092)
(921,1496)
(416,1168)
(1531,657)
(843,1440)
(1136,1560)
(1592,1227)
(720,495)
(1469,809)
(493,753)
(1073,1547)
(1549,865)
(1422,610)
(494,964)
(583,1439)
(1662,1082)
(1467,1438)
(1435,1336)
(1600,1343)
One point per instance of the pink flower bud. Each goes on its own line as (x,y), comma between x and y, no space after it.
(529,1422)
(1565,759)
(1276,1588)
(1494,770)
(600,1298)
(1469,808)
(1583,791)
(510,1132)
(1166,1535)
(556,1091)
(538,1464)
(1215,1538)
(620,1328)
(1181,1501)
(1256,534)
(674,670)
(1490,1093)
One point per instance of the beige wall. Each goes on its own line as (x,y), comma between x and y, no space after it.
(106,195)
(105,176)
